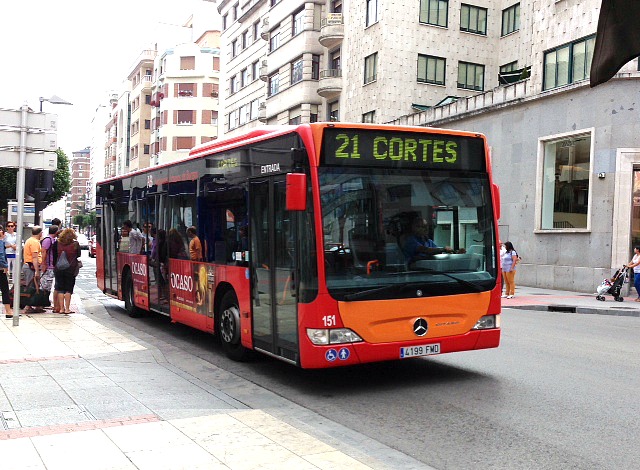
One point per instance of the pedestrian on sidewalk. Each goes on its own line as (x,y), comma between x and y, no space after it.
(66,278)
(503,250)
(4,282)
(509,261)
(31,269)
(635,264)
(11,243)
(49,245)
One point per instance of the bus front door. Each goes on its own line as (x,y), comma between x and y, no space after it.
(273,261)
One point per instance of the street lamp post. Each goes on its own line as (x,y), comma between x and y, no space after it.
(38,195)
(53,100)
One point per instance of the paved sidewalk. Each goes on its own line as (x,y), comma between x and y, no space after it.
(533,298)
(79,392)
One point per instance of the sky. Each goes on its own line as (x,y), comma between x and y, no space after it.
(80,51)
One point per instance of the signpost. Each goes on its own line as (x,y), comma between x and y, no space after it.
(28,141)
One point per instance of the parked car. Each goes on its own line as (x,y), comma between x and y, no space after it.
(83,241)
(92,247)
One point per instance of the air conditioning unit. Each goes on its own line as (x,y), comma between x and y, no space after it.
(214,94)
(264,63)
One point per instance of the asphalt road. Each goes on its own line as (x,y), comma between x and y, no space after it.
(561,392)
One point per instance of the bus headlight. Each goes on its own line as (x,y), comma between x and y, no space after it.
(488,322)
(332,336)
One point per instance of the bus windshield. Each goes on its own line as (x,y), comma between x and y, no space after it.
(391,233)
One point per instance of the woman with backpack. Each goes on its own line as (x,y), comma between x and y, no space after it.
(66,268)
(509,260)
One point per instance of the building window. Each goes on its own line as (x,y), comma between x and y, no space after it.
(147,99)
(245,39)
(234,84)
(253,113)
(470,76)
(234,11)
(511,19)
(255,71)
(294,121)
(256,31)
(188,63)
(434,12)
(566,169)
(369,117)
(244,77)
(273,3)
(184,143)
(431,69)
(184,117)
(185,89)
(372,12)
(243,117)
(274,39)
(146,149)
(216,63)
(296,71)
(568,63)
(473,19)
(336,6)
(298,18)
(371,68)
(334,111)
(334,60)
(147,123)
(315,67)
(274,84)
(313,117)
(225,21)
(234,48)
(510,67)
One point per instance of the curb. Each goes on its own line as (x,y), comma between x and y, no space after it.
(576,309)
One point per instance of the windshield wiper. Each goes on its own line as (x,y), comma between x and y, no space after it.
(383,289)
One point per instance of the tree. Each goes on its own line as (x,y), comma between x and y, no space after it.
(61,182)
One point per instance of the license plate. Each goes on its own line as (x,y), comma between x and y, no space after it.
(421,350)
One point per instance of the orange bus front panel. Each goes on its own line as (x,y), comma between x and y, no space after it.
(385,321)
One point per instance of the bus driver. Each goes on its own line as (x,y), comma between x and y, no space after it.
(418,245)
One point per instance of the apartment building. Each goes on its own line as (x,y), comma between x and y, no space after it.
(185,96)
(270,62)
(141,80)
(78,197)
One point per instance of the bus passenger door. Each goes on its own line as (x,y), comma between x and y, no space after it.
(110,237)
(273,261)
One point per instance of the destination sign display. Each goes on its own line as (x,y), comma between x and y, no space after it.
(391,149)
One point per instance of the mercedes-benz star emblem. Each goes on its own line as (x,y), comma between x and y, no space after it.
(420,327)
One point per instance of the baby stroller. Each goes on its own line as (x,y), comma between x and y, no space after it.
(613,286)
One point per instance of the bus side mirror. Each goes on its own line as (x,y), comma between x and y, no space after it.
(496,200)
(296,191)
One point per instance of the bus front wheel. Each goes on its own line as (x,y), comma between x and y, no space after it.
(229,328)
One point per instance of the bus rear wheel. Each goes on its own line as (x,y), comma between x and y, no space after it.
(128,294)
(229,328)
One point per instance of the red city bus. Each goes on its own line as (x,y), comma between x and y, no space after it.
(323,245)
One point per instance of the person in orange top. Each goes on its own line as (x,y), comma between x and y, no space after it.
(32,256)
(195,246)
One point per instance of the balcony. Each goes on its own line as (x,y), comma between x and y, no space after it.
(331,30)
(264,29)
(262,112)
(263,73)
(330,85)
